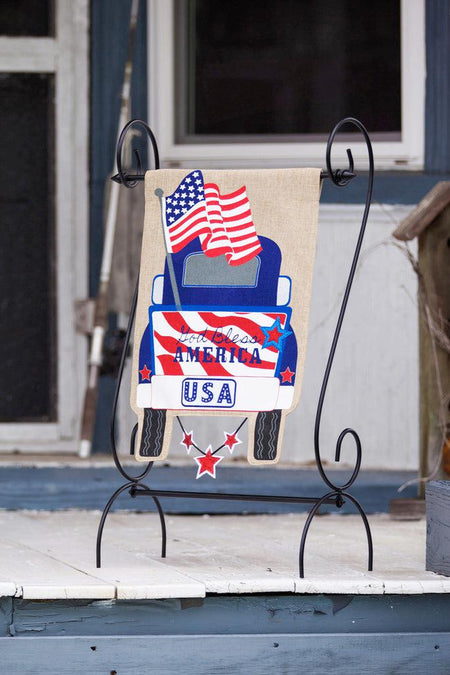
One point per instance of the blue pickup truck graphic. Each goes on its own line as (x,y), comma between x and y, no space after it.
(227,344)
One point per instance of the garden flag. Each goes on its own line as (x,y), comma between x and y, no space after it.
(222,317)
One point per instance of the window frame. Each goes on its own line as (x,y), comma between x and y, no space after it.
(406,154)
(66,57)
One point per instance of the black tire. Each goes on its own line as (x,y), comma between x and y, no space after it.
(152,432)
(267,429)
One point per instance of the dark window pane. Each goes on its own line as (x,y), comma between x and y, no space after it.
(27,328)
(26,17)
(287,66)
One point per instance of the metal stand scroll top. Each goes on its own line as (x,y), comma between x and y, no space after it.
(337,494)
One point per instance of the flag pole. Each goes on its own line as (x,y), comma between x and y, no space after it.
(173,281)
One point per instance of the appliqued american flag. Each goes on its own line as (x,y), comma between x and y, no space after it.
(214,343)
(223,222)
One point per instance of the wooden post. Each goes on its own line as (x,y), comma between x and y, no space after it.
(430,222)
(434,259)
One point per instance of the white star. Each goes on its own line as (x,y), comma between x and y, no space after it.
(191,203)
(183,194)
(177,211)
(182,203)
(198,181)
(176,195)
(188,180)
(184,210)
(175,202)
(200,189)
(195,174)
(171,219)
(169,210)
(191,187)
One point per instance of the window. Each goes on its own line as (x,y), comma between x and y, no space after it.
(263,83)
(43,200)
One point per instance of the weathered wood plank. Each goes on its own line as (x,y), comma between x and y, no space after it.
(243,614)
(434,411)
(39,576)
(438,526)
(6,609)
(70,539)
(404,654)
(221,554)
(425,212)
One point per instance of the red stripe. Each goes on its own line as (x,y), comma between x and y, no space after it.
(214,252)
(247,223)
(230,195)
(215,369)
(234,205)
(242,237)
(184,242)
(169,366)
(238,249)
(169,343)
(175,233)
(186,216)
(242,260)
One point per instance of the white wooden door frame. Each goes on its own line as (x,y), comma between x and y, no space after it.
(66,56)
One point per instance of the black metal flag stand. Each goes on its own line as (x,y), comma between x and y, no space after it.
(337,494)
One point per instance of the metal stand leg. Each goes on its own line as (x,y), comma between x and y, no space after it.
(339,502)
(135,491)
(106,510)
(134,488)
(341,178)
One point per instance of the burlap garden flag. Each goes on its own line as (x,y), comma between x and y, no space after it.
(222,317)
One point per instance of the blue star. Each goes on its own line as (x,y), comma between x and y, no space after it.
(274,334)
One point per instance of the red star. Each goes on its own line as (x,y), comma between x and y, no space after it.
(207,463)
(145,373)
(188,441)
(287,375)
(274,335)
(231,440)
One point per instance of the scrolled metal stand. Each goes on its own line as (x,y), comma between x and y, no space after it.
(338,494)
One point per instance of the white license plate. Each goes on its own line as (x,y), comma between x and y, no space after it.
(199,392)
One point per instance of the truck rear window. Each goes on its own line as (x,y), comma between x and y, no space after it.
(199,270)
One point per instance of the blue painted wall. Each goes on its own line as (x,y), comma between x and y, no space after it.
(109,42)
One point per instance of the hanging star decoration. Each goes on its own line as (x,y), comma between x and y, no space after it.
(231,440)
(208,460)
(188,441)
(207,463)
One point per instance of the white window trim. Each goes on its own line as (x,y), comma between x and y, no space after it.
(66,56)
(407,154)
